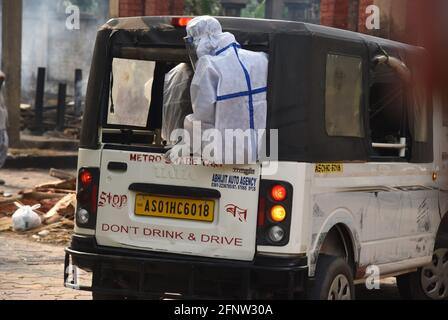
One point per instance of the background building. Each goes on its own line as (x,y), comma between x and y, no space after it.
(34,33)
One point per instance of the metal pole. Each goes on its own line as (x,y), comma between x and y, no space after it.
(62,94)
(12,65)
(39,102)
(78,92)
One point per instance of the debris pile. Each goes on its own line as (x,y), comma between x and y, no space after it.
(56,202)
(71,127)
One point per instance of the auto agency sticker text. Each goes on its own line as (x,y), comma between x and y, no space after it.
(224,181)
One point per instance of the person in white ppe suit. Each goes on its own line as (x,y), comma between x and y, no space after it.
(229,87)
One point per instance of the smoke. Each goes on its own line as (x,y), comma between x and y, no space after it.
(48,42)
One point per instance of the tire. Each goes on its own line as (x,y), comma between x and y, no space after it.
(333,281)
(429,282)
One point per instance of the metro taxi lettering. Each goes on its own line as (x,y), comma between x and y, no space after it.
(145,158)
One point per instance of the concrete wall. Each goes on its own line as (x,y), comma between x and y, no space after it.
(47,42)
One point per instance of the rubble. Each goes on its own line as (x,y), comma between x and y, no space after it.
(72,122)
(57,202)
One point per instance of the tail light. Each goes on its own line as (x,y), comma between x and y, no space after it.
(274,213)
(278,214)
(181,22)
(279,193)
(87,205)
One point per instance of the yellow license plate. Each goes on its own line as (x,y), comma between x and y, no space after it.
(175,208)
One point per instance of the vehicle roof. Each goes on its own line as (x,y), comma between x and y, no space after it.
(297,78)
(260,26)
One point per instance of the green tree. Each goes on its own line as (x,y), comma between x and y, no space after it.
(202,7)
(254,9)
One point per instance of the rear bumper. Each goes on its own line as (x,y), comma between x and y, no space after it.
(152,275)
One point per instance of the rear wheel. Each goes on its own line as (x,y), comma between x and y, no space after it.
(429,282)
(334,280)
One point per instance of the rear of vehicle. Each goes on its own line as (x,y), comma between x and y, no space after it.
(146,227)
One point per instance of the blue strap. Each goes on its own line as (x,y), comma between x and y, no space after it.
(249,87)
(250,93)
(241,94)
(232,45)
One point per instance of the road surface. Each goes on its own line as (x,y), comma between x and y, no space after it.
(34,271)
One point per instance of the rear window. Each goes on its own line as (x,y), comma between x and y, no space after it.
(343,96)
(134,110)
(130,97)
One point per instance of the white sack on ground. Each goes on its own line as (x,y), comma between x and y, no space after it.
(25,218)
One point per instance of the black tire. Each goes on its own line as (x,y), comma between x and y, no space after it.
(328,269)
(411,288)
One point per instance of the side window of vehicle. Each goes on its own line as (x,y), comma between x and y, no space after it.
(386,111)
(388,124)
(343,96)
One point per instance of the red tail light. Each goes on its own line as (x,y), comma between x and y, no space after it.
(88,182)
(279,193)
(274,213)
(181,22)
(86,178)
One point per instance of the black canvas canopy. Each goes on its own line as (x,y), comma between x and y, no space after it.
(296,94)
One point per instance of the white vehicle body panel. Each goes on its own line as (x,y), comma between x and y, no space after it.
(118,226)
(392,210)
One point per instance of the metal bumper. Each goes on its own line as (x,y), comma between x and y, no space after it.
(135,274)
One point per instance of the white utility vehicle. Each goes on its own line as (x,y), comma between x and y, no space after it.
(360,191)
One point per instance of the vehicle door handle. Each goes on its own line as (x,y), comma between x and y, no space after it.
(117,167)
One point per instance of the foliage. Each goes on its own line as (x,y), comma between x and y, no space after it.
(202,7)
(254,9)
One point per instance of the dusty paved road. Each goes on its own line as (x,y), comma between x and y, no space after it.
(34,271)
(17,180)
